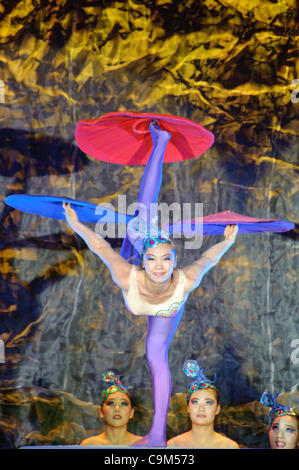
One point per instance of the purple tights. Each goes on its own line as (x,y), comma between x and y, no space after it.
(160,330)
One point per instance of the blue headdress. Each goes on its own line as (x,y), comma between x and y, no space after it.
(145,236)
(276,408)
(113,383)
(192,369)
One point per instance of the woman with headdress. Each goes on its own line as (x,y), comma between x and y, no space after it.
(203,406)
(156,289)
(283,423)
(116,408)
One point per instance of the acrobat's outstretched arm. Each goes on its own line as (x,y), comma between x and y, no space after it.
(120,269)
(196,270)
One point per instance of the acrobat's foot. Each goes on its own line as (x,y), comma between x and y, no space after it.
(150,441)
(157,133)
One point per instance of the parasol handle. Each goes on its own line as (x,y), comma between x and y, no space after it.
(145,129)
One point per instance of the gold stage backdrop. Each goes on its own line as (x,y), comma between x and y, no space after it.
(229,65)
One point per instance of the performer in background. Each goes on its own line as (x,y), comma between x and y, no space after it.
(116,408)
(283,423)
(203,406)
(145,270)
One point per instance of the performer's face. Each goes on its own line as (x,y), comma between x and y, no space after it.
(284,433)
(117,409)
(203,406)
(159,262)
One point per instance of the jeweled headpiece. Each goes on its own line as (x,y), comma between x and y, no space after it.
(145,236)
(192,369)
(151,242)
(276,408)
(113,385)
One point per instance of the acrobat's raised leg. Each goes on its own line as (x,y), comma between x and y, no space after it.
(160,330)
(149,188)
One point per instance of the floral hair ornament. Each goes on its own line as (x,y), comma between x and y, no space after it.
(276,408)
(145,236)
(113,382)
(192,369)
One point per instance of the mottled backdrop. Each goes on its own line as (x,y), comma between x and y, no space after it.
(229,65)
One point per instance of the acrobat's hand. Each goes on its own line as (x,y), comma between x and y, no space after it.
(70,213)
(157,133)
(230,232)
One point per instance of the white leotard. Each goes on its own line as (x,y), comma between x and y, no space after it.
(138,306)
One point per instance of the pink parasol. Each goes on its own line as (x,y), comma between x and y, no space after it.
(124,137)
(215,224)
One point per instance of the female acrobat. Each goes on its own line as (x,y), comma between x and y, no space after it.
(150,282)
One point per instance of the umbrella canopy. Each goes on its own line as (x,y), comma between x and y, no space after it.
(215,224)
(51,207)
(124,137)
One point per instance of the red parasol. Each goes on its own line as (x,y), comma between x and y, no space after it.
(124,137)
